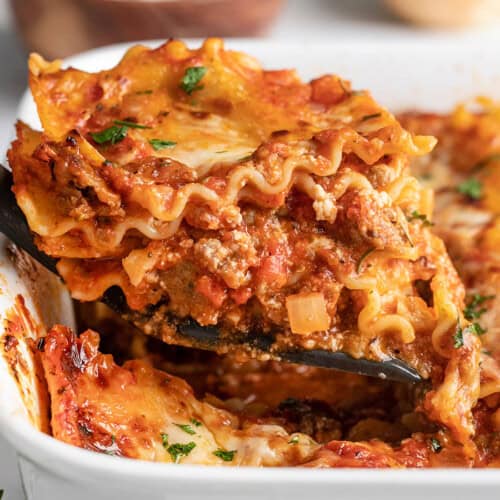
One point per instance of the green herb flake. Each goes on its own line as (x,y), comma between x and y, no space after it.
(110,135)
(159,144)
(435,445)
(112,450)
(144,92)
(186,428)
(1,494)
(371,117)
(458,336)
(179,450)
(415,215)
(221,152)
(294,440)
(246,158)
(475,329)
(227,456)
(473,309)
(363,258)
(472,188)
(129,124)
(191,79)
(164,440)
(486,352)
(195,422)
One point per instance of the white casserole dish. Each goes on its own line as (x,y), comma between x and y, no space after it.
(423,76)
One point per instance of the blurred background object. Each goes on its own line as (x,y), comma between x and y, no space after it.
(447,13)
(58,28)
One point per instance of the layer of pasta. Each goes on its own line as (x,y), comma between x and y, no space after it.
(208,188)
(137,411)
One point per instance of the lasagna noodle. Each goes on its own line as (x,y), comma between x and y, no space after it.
(468,152)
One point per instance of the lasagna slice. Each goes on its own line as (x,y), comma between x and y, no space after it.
(209,189)
(136,411)
(139,412)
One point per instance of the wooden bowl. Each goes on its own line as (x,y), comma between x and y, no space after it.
(447,13)
(58,28)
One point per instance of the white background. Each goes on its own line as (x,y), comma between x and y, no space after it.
(301,20)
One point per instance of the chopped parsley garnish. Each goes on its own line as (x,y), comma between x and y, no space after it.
(435,445)
(144,92)
(179,450)
(195,422)
(227,456)
(363,257)
(294,440)
(473,309)
(370,117)
(476,329)
(458,337)
(472,188)
(186,428)
(1,494)
(415,215)
(112,135)
(164,440)
(128,124)
(113,449)
(116,132)
(486,352)
(220,152)
(191,79)
(159,144)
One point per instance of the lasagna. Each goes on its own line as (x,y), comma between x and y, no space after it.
(464,172)
(209,189)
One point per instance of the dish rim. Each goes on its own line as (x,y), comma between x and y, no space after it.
(80,464)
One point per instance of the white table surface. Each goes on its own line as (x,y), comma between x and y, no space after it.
(301,20)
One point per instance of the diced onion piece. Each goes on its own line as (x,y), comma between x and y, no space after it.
(307,313)
(137,263)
